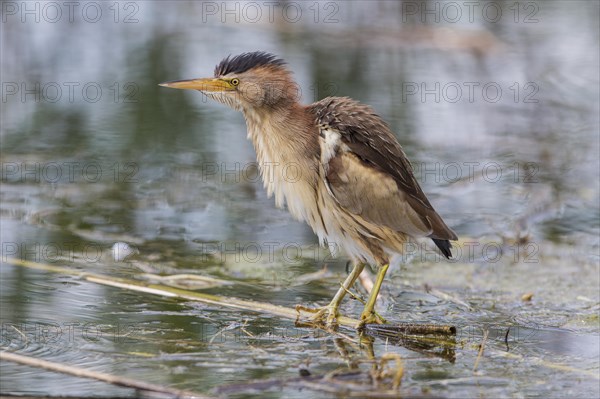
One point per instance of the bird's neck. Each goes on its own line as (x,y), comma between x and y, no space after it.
(287,151)
(287,134)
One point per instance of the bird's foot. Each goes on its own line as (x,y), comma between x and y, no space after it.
(323,317)
(369,318)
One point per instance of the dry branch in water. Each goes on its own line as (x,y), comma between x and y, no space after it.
(108,378)
(228,302)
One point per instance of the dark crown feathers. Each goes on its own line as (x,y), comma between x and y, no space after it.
(246,61)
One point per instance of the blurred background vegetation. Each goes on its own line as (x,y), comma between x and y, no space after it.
(495,102)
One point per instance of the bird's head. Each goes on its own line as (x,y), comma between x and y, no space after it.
(248,82)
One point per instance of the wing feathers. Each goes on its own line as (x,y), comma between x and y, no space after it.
(370,176)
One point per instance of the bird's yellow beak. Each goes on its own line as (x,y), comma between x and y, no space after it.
(206,84)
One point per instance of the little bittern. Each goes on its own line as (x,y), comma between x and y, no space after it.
(355,187)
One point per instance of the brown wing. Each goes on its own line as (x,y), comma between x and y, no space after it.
(371,176)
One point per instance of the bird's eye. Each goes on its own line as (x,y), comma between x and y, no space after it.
(235,81)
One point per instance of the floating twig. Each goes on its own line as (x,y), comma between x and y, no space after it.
(108,378)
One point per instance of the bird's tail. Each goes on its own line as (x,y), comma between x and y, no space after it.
(444,246)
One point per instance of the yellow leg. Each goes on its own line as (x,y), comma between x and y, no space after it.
(332,309)
(335,303)
(368,314)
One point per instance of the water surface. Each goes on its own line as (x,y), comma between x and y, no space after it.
(499,115)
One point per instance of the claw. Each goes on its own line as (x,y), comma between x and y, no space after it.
(323,317)
(369,318)
(326,317)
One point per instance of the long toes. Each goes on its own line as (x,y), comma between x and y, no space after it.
(301,308)
(325,317)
